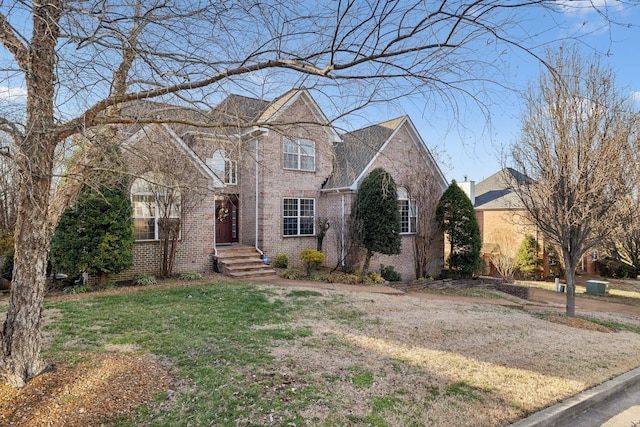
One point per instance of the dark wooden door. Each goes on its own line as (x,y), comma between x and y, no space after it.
(227,220)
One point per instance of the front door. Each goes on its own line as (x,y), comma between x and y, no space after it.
(227,220)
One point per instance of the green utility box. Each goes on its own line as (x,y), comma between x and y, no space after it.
(597,287)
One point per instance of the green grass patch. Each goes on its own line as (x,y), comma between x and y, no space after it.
(616,326)
(385,403)
(464,390)
(216,336)
(361,378)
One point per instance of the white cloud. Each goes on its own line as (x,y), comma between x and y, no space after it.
(635,95)
(12,94)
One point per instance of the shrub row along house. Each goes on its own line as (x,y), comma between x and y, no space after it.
(274,177)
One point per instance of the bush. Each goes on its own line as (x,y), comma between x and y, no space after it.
(527,257)
(389,273)
(191,276)
(281,261)
(376,279)
(291,274)
(144,280)
(610,267)
(7,266)
(311,259)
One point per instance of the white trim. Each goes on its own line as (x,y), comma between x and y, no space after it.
(311,104)
(217,182)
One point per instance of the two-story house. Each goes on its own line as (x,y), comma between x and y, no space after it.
(270,176)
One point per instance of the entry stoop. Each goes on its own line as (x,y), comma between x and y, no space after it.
(242,262)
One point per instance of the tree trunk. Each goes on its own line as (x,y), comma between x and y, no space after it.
(21,337)
(570,275)
(367,261)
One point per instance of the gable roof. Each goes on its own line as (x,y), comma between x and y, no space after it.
(497,192)
(238,108)
(145,130)
(360,148)
(278,106)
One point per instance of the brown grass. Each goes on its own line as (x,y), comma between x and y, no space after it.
(508,363)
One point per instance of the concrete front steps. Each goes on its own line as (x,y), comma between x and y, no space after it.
(242,262)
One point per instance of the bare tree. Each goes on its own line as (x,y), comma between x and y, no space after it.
(425,189)
(578,145)
(502,259)
(82,61)
(623,244)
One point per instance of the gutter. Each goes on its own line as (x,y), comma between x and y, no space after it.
(257,196)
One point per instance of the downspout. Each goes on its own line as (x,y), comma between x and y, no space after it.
(216,268)
(342,249)
(257,195)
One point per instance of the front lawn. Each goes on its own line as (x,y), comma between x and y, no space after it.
(243,354)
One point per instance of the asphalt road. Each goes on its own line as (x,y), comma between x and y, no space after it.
(621,410)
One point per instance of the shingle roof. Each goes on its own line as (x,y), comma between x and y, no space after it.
(356,151)
(238,108)
(496,192)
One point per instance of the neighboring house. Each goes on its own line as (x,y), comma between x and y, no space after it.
(267,175)
(501,216)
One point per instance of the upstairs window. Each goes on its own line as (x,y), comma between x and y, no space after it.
(224,168)
(408,212)
(299,154)
(153,205)
(299,217)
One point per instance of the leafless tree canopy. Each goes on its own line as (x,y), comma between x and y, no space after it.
(81,62)
(579,145)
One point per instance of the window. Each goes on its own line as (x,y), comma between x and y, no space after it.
(151,204)
(298,217)
(224,168)
(408,212)
(299,154)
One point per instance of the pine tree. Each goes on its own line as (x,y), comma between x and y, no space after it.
(95,234)
(457,219)
(527,257)
(377,216)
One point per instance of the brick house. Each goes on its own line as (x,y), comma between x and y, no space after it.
(502,218)
(267,176)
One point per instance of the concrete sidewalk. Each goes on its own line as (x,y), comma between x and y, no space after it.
(615,403)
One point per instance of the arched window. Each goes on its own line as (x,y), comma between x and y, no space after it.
(224,168)
(154,202)
(408,212)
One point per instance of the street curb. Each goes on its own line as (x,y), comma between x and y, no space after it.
(564,411)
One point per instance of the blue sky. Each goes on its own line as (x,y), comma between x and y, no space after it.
(472,149)
(466,143)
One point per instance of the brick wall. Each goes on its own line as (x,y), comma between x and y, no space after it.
(506,228)
(277,183)
(156,151)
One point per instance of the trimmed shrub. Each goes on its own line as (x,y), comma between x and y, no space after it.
(144,280)
(311,259)
(375,278)
(290,273)
(281,261)
(191,276)
(389,273)
(527,257)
